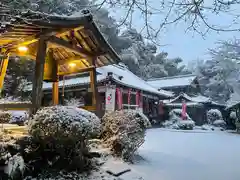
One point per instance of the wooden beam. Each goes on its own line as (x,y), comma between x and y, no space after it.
(3,70)
(54,77)
(93,78)
(67,45)
(51,75)
(69,60)
(16,106)
(38,76)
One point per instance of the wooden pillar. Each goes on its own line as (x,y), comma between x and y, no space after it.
(55,93)
(63,89)
(53,65)
(4,65)
(93,78)
(38,76)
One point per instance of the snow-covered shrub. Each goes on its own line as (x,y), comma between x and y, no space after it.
(175,120)
(12,100)
(15,167)
(5,117)
(219,123)
(234,118)
(213,115)
(63,131)
(186,124)
(51,120)
(74,102)
(175,115)
(124,131)
(233,115)
(18,117)
(12,165)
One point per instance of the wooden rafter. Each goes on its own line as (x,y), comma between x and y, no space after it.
(67,45)
(78,71)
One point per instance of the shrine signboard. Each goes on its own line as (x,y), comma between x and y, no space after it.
(110,98)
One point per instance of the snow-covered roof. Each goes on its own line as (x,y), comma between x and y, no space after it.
(189,104)
(233,101)
(198,98)
(173,81)
(128,79)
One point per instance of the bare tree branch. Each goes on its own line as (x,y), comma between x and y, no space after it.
(195,13)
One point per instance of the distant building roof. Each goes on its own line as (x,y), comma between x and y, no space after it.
(233,101)
(197,99)
(192,100)
(120,74)
(173,81)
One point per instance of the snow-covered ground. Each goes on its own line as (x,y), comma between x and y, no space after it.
(173,155)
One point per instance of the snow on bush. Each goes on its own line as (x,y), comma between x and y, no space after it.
(233,115)
(62,132)
(5,117)
(213,115)
(219,123)
(124,131)
(175,120)
(14,166)
(50,121)
(18,117)
(186,124)
(13,117)
(11,100)
(74,102)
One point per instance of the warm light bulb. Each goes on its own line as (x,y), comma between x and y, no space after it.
(72,64)
(22,48)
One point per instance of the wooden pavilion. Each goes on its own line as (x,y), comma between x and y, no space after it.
(59,45)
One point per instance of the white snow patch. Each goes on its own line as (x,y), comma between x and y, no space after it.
(178,155)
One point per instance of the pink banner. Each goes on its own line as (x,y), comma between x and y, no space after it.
(184,111)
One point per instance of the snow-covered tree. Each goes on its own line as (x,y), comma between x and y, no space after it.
(19,73)
(220,76)
(142,58)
